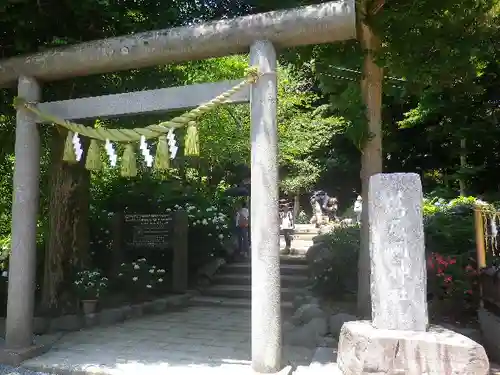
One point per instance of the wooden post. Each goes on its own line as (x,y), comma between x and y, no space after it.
(480,249)
(180,277)
(480,240)
(117,242)
(371,155)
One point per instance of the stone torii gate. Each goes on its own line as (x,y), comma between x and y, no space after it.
(261,33)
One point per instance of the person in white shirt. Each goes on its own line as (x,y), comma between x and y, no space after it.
(287,226)
(242,221)
(358,208)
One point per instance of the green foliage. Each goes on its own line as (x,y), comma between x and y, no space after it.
(209,229)
(148,195)
(139,278)
(302,218)
(449,225)
(335,272)
(449,239)
(90,285)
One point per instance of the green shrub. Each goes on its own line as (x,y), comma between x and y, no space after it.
(449,225)
(336,274)
(302,218)
(209,219)
(140,279)
(449,231)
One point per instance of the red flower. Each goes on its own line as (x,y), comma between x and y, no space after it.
(447,279)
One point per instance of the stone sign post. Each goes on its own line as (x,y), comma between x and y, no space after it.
(398,339)
(146,233)
(397,252)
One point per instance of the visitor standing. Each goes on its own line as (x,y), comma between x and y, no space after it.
(331,209)
(287,226)
(242,219)
(358,208)
(319,202)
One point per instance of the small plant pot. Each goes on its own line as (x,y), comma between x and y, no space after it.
(89,306)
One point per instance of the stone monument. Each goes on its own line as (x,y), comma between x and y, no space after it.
(399,340)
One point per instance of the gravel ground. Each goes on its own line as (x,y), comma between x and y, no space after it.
(8,370)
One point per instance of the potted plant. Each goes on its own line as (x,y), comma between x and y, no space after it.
(89,286)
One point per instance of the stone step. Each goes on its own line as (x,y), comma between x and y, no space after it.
(297,281)
(299,236)
(244,291)
(245,268)
(306,228)
(245,303)
(293,259)
(300,245)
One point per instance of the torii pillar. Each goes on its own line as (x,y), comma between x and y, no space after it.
(266,286)
(22,261)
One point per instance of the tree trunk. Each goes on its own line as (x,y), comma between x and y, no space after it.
(68,238)
(371,158)
(296,206)
(463,165)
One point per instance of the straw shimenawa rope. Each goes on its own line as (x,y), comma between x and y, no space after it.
(129,160)
(151,131)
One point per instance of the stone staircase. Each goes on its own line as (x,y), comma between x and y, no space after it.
(302,238)
(231,286)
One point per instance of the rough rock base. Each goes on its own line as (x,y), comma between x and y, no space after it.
(365,350)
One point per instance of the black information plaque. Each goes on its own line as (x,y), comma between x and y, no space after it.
(147,231)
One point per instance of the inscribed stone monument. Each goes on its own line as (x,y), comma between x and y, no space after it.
(397,253)
(397,341)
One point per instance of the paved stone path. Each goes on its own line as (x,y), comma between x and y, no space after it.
(205,340)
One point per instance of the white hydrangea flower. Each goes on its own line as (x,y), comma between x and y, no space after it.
(148,286)
(160,280)
(135,278)
(221,236)
(136,267)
